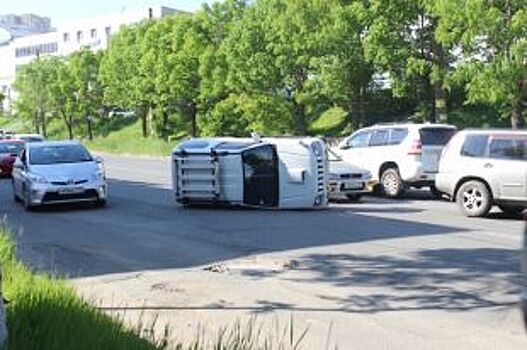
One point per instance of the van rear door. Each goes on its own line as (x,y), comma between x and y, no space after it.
(433,140)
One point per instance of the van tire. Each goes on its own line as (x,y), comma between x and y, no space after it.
(391,182)
(474,199)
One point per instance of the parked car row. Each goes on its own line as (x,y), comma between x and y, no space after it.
(475,168)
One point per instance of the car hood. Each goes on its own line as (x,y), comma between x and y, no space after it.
(342,167)
(66,171)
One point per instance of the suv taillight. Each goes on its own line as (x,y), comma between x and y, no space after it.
(416,148)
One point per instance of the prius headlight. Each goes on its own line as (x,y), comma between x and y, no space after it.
(367,175)
(37,179)
(99,175)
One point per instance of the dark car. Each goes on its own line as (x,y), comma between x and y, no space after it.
(9,149)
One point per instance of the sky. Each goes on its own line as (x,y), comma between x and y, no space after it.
(62,11)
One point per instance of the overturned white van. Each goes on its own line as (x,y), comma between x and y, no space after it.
(288,173)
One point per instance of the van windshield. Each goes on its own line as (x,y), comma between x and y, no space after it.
(436,136)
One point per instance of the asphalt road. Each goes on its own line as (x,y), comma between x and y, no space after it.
(379,274)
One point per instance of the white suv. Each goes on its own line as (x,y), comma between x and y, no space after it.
(398,155)
(480,168)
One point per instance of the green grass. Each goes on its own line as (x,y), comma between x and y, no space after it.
(129,140)
(330,123)
(45,313)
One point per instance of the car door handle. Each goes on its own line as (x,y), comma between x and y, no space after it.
(488,166)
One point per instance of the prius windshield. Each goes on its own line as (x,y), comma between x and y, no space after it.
(58,154)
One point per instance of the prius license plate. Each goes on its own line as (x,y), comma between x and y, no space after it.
(71,190)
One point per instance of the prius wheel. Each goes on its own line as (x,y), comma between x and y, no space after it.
(391,182)
(474,199)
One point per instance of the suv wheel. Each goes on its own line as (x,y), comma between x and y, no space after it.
(391,182)
(474,199)
(511,209)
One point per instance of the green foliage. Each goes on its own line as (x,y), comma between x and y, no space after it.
(275,66)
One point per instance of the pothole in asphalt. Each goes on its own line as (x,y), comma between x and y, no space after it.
(254,266)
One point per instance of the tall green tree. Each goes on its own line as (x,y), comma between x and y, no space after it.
(274,48)
(345,74)
(401,41)
(125,85)
(491,38)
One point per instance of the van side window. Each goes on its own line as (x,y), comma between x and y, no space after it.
(379,138)
(511,149)
(475,146)
(360,140)
(397,136)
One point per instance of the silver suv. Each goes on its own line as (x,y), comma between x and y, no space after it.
(398,155)
(480,168)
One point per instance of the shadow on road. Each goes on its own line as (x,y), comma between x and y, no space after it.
(142,229)
(451,279)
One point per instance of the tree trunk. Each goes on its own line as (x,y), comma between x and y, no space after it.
(299,114)
(90,129)
(193,111)
(36,123)
(150,121)
(164,123)
(362,108)
(440,112)
(517,117)
(43,124)
(144,123)
(70,128)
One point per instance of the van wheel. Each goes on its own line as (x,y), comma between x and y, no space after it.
(392,184)
(354,197)
(511,209)
(474,199)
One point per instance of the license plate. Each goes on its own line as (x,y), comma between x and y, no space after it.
(353,186)
(71,190)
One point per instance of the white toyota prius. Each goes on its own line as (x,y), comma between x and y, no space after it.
(58,172)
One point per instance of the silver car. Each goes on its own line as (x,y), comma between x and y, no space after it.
(58,172)
(481,168)
(346,179)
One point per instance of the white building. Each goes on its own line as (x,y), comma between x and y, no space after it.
(24,25)
(92,33)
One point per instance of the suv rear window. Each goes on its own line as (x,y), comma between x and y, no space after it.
(397,136)
(475,146)
(512,149)
(436,136)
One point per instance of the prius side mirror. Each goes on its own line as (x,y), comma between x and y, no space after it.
(98,159)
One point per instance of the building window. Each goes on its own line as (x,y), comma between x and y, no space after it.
(79,35)
(108,31)
(93,33)
(36,50)
(66,37)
